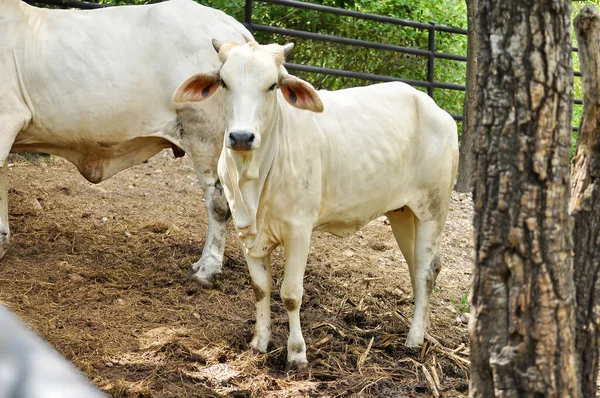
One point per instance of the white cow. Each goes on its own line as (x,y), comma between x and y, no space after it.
(361,153)
(96,87)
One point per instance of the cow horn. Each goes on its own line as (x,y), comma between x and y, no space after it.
(287,49)
(216,44)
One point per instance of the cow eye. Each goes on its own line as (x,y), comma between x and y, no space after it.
(223,83)
(273,87)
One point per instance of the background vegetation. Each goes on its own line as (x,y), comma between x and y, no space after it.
(578,89)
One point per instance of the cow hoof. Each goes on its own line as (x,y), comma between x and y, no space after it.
(414,341)
(259,345)
(207,270)
(296,358)
(206,281)
(298,365)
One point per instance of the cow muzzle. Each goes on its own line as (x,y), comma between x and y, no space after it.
(241,140)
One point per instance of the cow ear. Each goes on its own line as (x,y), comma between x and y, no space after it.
(197,88)
(300,94)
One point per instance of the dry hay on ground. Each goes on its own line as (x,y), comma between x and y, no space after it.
(102,273)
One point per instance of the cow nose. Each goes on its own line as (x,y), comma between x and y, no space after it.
(241,140)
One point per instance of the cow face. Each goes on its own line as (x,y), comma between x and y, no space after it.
(250,75)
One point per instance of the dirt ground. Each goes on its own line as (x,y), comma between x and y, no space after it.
(102,272)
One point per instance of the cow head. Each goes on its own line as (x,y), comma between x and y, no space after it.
(250,75)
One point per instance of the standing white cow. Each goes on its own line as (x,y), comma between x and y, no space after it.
(96,87)
(362,152)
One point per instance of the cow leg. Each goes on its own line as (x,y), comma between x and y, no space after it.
(260,272)
(4,229)
(403,225)
(209,267)
(10,130)
(427,266)
(199,132)
(296,255)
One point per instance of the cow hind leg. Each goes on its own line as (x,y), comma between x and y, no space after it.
(209,267)
(428,235)
(403,225)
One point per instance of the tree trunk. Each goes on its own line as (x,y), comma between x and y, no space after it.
(466,157)
(585,203)
(523,328)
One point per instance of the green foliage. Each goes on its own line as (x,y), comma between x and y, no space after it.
(577,83)
(462,304)
(235,8)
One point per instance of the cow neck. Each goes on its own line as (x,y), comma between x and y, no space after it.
(249,175)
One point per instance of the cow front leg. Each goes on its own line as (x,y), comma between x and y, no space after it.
(427,266)
(11,124)
(4,229)
(210,265)
(296,255)
(260,272)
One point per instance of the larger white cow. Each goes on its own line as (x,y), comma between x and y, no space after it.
(361,153)
(96,87)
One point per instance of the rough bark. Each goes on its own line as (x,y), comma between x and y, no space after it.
(585,204)
(523,327)
(466,156)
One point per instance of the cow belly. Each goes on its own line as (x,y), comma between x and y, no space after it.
(341,229)
(348,211)
(98,160)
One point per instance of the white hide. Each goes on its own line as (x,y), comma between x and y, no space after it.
(382,149)
(95,87)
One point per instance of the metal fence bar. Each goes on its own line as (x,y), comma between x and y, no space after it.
(431,58)
(364,15)
(337,39)
(452,57)
(372,77)
(248,15)
(354,75)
